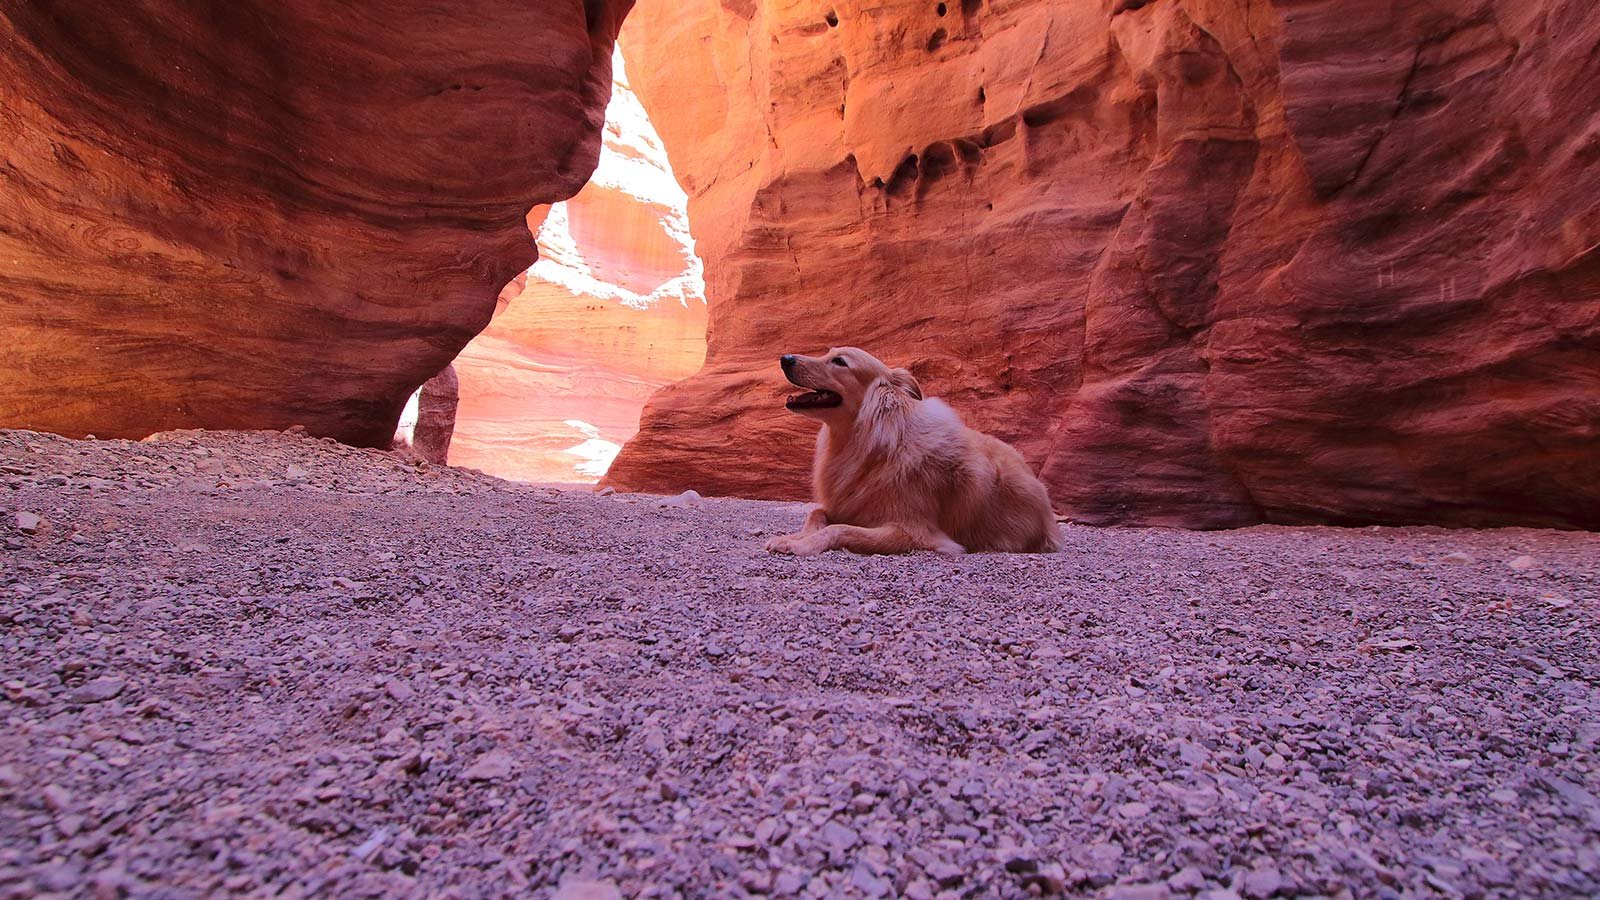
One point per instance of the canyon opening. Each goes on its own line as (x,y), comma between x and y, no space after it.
(1269,328)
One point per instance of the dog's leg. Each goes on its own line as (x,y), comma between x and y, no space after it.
(816,520)
(883,539)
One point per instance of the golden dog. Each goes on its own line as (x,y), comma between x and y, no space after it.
(895,473)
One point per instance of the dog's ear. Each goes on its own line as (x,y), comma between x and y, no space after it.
(905,381)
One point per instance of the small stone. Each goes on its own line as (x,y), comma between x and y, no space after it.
(1193,754)
(97,691)
(491,766)
(1105,854)
(1187,879)
(1138,892)
(27,522)
(56,798)
(946,875)
(58,878)
(370,847)
(755,881)
(1521,563)
(867,884)
(1457,557)
(1133,810)
(1504,796)
(582,889)
(606,491)
(838,837)
(296,474)
(1263,882)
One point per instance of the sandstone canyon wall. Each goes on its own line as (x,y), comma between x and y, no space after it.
(613,310)
(1205,262)
(261,214)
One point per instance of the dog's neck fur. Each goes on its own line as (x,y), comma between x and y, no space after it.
(875,444)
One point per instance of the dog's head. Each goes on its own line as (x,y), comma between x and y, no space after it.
(838,382)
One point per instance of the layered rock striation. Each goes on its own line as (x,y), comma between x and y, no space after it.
(257,215)
(1207,263)
(613,310)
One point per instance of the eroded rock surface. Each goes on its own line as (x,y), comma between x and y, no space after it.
(1205,263)
(613,310)
(265,214)
(437,404)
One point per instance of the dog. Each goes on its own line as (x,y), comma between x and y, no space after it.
(896,473)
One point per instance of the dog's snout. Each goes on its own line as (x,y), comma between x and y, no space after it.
(788,360)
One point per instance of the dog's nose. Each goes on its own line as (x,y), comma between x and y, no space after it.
(788,361)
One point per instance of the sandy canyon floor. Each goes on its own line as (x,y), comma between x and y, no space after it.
(260,663)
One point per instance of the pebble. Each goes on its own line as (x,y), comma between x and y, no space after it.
(98,690)
(491,766)
(1263,882)
(27,522)
(838,837)
(583,889)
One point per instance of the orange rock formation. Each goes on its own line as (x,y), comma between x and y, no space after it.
(260,214)
(1205,262)
(613,310)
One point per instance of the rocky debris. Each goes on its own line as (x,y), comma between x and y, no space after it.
(401,680)
(27,522)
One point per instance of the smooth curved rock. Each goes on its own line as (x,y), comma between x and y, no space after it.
(1205,263)
(613,310)
(256,215)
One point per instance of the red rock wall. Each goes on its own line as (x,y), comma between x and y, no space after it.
(1205,262)
(613,310)
(260,214)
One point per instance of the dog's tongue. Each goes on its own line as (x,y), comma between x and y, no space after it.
(814,400)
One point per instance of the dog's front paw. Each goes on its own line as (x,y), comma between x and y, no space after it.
(793,545)
(949,548)
(783,543)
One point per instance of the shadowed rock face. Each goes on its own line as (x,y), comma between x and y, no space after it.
(260,214)
(1205,263)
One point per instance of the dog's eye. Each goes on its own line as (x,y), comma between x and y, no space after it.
(839,361)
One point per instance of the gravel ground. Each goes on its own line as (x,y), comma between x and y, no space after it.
(266,664)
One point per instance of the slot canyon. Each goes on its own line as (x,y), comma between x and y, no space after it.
(613,310)
(1204,263)
(399,497)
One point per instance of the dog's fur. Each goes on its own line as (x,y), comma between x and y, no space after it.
(895,473)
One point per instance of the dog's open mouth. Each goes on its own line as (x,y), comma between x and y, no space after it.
(814,400)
